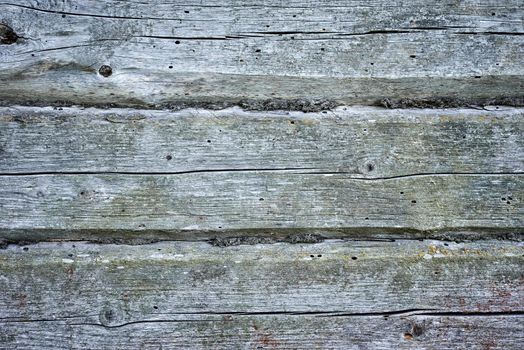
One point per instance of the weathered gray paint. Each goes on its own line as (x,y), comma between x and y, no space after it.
(226,51)
(344,295)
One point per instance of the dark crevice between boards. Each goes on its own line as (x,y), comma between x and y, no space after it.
(278,104)
(451,102)
(228,238)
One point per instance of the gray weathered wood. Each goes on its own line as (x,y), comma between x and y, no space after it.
(358,141)
(86,174)
(222,52)
(338,295)
(187,205)
(275,332)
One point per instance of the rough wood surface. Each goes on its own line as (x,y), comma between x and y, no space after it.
(360,142)
(223,52)
(83,174)
(332,295)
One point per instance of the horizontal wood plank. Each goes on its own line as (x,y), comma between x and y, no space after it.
(208,203)
(347,52)
(339,295)
(358,141)
(275,332)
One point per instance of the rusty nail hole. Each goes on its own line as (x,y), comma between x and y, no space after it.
(105,71)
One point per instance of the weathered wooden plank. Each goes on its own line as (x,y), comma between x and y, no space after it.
(404,294)
(361,142)
(276,332)
(206,203)
(223,52)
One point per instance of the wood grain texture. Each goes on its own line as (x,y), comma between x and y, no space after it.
(183,205)
(360,142)
(334,295)
(86,174)
(222,52)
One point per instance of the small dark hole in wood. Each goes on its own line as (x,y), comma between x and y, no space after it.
(155,307)
(186,11)
(82,193)
(371,63)
(105,71)
(319,255)
(7,35)
(370,167)
(208,141)
(413,201)
(401,192)
(354,258)
(294,16)
(413,56)
(177,42)
(366,218)
(510,198)
(70,255)
(322,49)
(503,198)
(493,13)
(477,77)
(170,67)
(445,244)
(169,157)
(63,16)
(257,50)
(261,199)
(311,256)
(292,122)
(25,249)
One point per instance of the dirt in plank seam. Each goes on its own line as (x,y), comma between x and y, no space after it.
(300,238)
(302,105)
